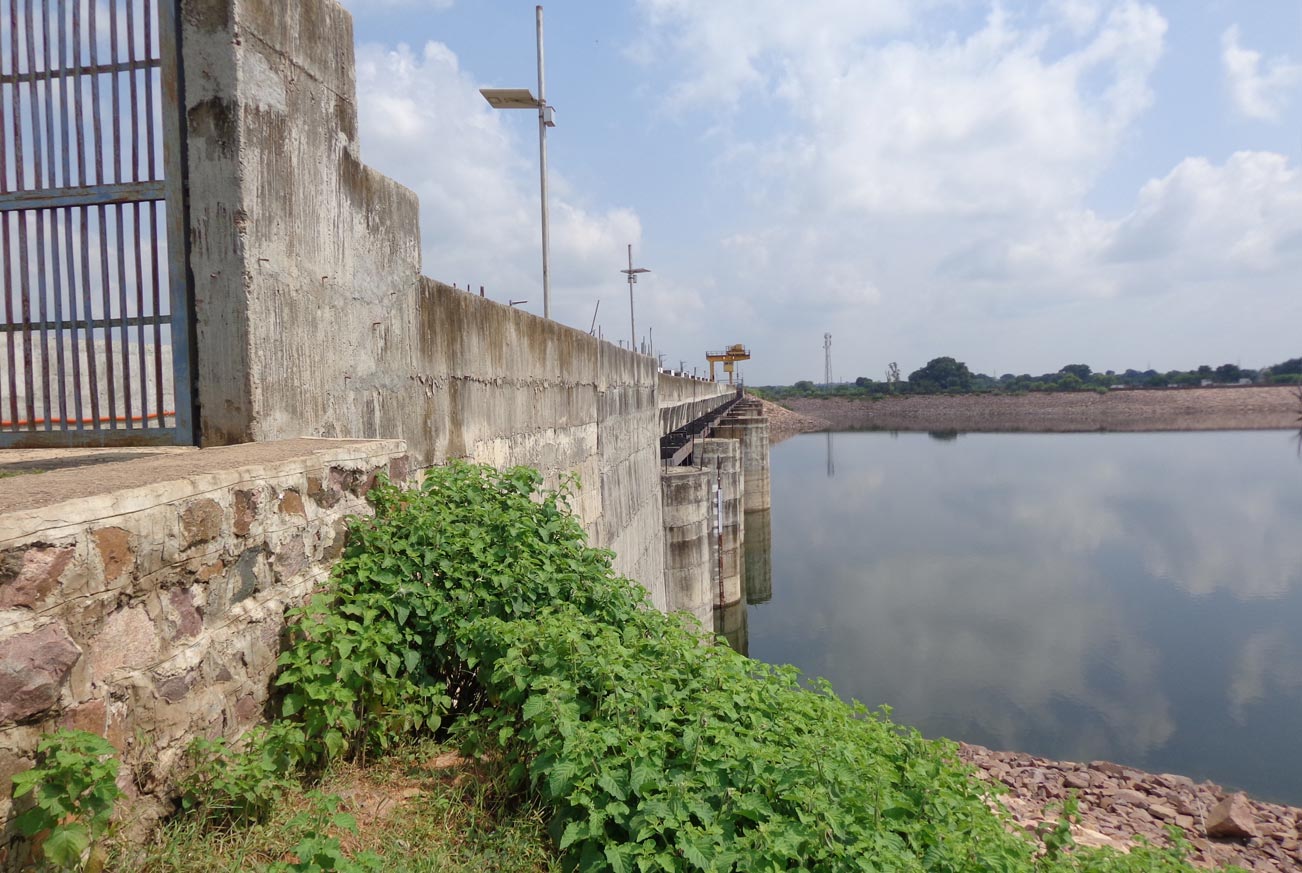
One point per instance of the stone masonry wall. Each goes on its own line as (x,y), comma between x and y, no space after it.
(154,614)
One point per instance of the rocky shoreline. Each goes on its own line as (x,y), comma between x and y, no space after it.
(784,424)
(1118,804)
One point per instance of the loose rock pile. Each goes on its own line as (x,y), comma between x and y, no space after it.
(783,423)
(1118,804)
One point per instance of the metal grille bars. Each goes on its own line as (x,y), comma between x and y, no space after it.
(95,324)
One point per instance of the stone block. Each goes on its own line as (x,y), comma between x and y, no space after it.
(129,639)
(187,619)
(174,688)
(290,556)
(334,547)
(291,503)
(324,490)
(91,716)
(247,503)
(201,522)
(247,575)
(1232,818)
(33,668)
(116,554)
(29,573)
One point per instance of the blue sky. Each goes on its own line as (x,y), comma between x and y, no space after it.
(1021,185)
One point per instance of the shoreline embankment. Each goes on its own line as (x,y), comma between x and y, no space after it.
(1116,804)
(1230,408)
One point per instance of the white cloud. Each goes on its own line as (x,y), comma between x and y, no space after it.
(424,123)
(921,178)
(731,46)
(1244,215)
(1078,15)
(1257,93)
(362,6)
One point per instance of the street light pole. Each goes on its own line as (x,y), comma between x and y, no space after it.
(542,172)
(522,98)
(632,280)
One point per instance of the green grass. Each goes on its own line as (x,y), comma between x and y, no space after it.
(423,808)
(10,474)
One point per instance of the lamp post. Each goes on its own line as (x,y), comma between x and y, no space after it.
(632,280)
(522,98)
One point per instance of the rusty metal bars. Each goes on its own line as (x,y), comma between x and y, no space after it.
(97,319)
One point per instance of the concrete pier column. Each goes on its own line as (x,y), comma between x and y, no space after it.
(721,460)
(688,512)
(752,431)
(732,623)
(758,562)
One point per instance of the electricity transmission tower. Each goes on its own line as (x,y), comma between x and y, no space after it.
(827,360)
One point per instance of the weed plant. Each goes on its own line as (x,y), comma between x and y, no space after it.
(69,794)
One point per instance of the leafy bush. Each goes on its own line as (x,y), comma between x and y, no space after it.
(73,788)
(382,654)
(477,597)
(229,786)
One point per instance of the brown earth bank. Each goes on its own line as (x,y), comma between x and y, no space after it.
(1239,408)
(1118,804)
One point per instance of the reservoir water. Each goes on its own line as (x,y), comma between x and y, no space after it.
(1129,597)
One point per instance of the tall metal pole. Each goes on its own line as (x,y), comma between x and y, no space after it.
(827,360)
(632,325)
(542,172)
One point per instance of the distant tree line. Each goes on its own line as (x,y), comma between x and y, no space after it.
(949,376)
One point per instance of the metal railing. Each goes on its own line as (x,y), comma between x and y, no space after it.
(96,321)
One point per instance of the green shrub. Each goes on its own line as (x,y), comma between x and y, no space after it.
(73,788)
(233,786)
(381,655)
(476,597)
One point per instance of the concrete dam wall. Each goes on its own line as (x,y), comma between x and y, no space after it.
(313,318)
(145,600)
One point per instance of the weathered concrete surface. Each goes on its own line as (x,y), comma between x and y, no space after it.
(683,399)
(721,459)
(685,494)
(313,319)
(758,549)
(751,430)
(732,623)
(145,603)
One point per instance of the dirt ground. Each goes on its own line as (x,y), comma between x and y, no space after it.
(1238,408)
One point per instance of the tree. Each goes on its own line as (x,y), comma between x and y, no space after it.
(1228,373)
(892,376)
(1080,371)
(863,382)
(942,374)
(1293,366)
(804,385)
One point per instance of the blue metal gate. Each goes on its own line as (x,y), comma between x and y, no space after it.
(96,321)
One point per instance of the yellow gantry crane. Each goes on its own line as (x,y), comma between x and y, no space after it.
(728,356)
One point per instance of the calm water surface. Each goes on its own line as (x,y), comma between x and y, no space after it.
(1130,597)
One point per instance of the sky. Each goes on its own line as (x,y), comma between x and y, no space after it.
(1019,185)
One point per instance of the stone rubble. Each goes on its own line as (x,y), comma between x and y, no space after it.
(1118,804)
(783,423)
